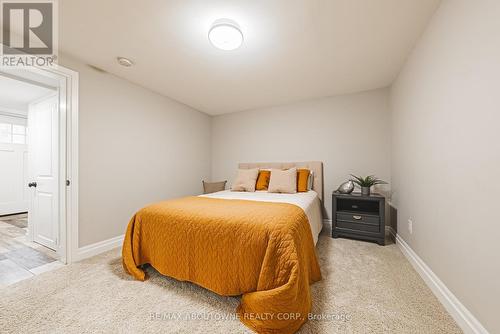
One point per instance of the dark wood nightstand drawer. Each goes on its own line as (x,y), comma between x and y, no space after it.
(358,226)
(358,218)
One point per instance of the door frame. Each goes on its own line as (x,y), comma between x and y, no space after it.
(68,85)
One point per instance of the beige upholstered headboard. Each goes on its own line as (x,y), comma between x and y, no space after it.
(315,166)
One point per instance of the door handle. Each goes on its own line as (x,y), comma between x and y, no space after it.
(357,217)
(32,184)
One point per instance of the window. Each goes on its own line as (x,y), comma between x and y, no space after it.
(12,133)
(18,134)
(5,133)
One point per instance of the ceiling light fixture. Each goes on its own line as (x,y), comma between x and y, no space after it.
(225,34)
(124,61)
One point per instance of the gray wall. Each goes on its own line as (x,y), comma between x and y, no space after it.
(446,152)
(136,147)
(350,134)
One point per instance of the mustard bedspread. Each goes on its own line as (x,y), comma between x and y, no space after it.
(263,251)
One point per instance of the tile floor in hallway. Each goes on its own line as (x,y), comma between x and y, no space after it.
(19,258)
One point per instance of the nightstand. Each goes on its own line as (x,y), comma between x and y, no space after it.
(359,217)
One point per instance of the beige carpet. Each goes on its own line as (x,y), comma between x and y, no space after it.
(366,289)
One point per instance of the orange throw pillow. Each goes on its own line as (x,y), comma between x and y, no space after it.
(263,180)
(302,179)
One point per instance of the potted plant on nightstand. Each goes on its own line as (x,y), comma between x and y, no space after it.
(366,183)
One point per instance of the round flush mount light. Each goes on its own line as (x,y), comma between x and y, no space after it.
(124,61)
(225,34)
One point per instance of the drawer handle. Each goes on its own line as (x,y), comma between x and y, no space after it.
(357,217)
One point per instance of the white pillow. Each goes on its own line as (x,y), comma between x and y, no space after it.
(283,181)
(245,180)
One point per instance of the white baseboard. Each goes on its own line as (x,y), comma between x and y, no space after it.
(98,248)
(391,231)
(467,322)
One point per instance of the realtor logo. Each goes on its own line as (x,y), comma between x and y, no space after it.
(28,32)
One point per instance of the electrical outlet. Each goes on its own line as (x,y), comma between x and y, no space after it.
(410,225)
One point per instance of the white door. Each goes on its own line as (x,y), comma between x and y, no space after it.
(43,153)
(14,197)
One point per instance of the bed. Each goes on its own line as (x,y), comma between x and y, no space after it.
(258,245)
(307,201)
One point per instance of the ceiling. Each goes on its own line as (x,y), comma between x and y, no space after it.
(16,95)
(293,49)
